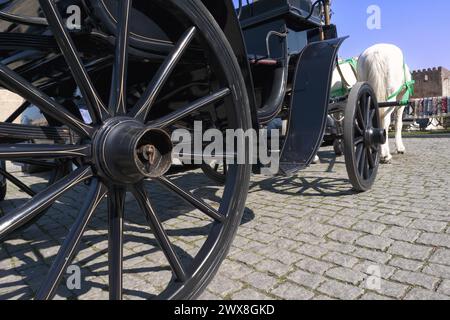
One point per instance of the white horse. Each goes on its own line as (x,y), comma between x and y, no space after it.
(383,67)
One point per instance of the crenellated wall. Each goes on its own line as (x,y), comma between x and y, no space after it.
(432,82)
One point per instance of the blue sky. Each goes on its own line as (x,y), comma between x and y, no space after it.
(421,28)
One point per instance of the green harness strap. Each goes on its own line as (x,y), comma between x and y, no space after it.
(351,61)
(408,86)
(343,91)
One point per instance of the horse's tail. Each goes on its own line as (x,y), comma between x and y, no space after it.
(373,68)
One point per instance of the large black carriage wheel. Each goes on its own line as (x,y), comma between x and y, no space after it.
(127,145)
(215,171)
(3,181)
(363,137)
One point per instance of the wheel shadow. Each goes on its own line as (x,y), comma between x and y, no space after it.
(27,262)
(308,184)
(329,158)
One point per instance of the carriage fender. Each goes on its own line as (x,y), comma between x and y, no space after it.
(309,105)
(224,13)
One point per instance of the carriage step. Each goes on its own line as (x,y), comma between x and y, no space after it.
(265,62)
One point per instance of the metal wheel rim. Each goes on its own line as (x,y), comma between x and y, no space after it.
(362,158)
(226,217)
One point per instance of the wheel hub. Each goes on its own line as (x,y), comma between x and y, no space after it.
(125,151)
(375,137)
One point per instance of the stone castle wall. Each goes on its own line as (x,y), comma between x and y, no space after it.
(433,82)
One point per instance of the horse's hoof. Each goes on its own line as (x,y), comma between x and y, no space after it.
(316,160)
(386,161)
(401,152)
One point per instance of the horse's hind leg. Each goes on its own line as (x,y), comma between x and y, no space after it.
(386,156)
(398,131)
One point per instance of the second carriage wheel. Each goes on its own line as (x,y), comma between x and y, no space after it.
(363,137)
(129,141)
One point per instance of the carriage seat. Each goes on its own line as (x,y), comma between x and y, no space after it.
(293,12)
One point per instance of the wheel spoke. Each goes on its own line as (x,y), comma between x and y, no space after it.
(45,164)
(368,106)
(183,112)
(116,206)
(360,118)
(118,99)
(159,232)
(11,131)
(35,206)
(97,109)
(22,186)
(358,141)
(366,166)
(143,107)
(42,151)
(189,198)
(69,248)
(359,152)
(370,157)
(26,90)
(358,129)
(13,117)
(362,163)
(373,112)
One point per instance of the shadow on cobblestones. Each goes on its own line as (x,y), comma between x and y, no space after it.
(307,186)
(26,257)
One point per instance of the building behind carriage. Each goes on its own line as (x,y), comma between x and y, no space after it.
(432,82)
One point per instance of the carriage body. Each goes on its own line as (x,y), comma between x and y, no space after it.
(126,75)
(272,31)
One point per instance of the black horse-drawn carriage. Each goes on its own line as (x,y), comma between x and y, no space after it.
(115,85)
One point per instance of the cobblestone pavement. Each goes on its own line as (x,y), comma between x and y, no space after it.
(305,237)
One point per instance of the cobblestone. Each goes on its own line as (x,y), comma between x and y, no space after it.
(406,264)
(340,290)
(345,236)
(441,256)
(429,225)
(303,237)
(346,275)
(289,291)
(374,242)
(435,239)
(307,279)
(401,234)
(341,259)
(410,251)
(370,227)
(422,294)
(415,279)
